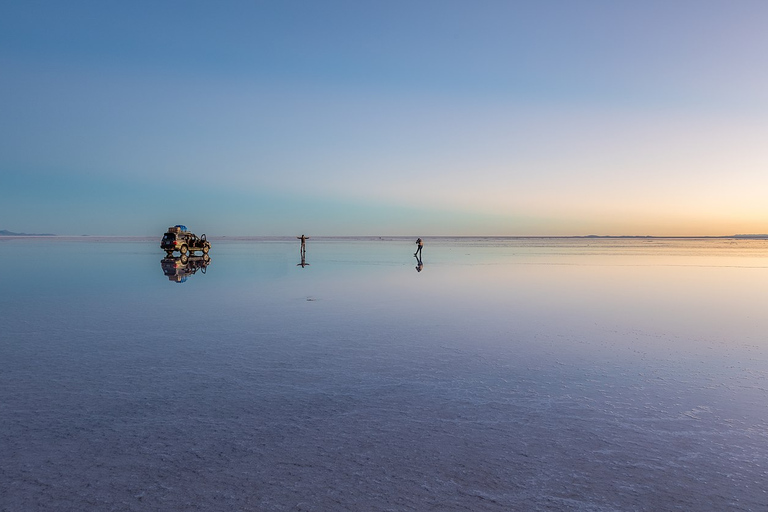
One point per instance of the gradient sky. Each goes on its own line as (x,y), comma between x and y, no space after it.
(384,117)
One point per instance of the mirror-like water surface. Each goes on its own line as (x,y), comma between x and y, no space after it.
(501,374)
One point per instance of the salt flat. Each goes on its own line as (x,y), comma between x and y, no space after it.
(506,374)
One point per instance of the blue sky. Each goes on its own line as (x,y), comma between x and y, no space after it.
(384,118)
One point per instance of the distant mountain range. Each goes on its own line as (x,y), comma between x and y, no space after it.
(5,232)
(749,237)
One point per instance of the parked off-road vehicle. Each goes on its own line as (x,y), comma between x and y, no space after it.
(178,238)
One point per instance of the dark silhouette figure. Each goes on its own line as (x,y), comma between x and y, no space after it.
(303,245)
(420,244)
(419,264)
(303,260)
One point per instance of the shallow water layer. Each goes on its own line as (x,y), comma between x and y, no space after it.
(500,374)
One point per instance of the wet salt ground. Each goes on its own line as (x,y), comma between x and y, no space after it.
(505,376)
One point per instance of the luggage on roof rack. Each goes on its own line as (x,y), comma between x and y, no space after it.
(178,228)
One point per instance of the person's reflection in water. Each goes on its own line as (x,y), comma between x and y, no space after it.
(303,260)
(419,264)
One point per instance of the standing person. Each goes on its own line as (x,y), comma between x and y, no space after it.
(420,244)
(303,244)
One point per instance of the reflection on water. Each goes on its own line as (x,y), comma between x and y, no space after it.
(514,374)
(178,269)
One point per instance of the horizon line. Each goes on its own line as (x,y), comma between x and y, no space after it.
(591,236)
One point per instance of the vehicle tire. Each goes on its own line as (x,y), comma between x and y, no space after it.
(184,259)
(168,254)
(183,250)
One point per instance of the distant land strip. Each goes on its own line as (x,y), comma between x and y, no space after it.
(5,232)
(753,236)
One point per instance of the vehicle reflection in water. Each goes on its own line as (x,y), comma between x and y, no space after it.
(178,269)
